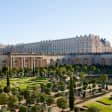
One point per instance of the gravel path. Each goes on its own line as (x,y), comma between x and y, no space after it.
(56,109)
(94,99)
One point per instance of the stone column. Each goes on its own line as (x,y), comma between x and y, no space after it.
(34,61)
(22,63)
(11,62)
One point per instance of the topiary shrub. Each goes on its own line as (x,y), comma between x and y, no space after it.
(93,109)
(13,101)
(6,89)
(62,103)
(49,100)
(36,108)
(1,90)
(4,109)
(23,109)
(3,98)
(110,98)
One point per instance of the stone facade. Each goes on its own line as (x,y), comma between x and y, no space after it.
(79,44)
(31,60)
(34,60)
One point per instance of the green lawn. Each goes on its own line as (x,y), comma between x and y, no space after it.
(106,100)
(103,108)
(24,83)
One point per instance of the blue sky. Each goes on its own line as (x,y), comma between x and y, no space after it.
(23,21)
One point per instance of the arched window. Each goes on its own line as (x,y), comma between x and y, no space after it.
(64,61)
(77,61)
(110,61)
(52,62)
(102,61)
(86,61)
(69,61)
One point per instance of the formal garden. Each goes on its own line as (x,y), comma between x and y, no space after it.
(55,89)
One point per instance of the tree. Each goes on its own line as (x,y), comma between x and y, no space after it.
(49,100)
(3,98)
(84,68)
(82,75)
(85,86)
(61,86)
(93,86)
(6,71)
(70,68)
(36,71)
(71,93)
(43,72)
(62,103)
(55,87)
(13,71)
(104,80)
(43,97)
(8,81)
(47,90)
(37,98)
(61,72)
(77,68)
(4,109)
(13,101)
(93,69)
(26,94)
(23,109)
(36,108)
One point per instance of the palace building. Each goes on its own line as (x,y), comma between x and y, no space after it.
(79,50)
(78,44)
